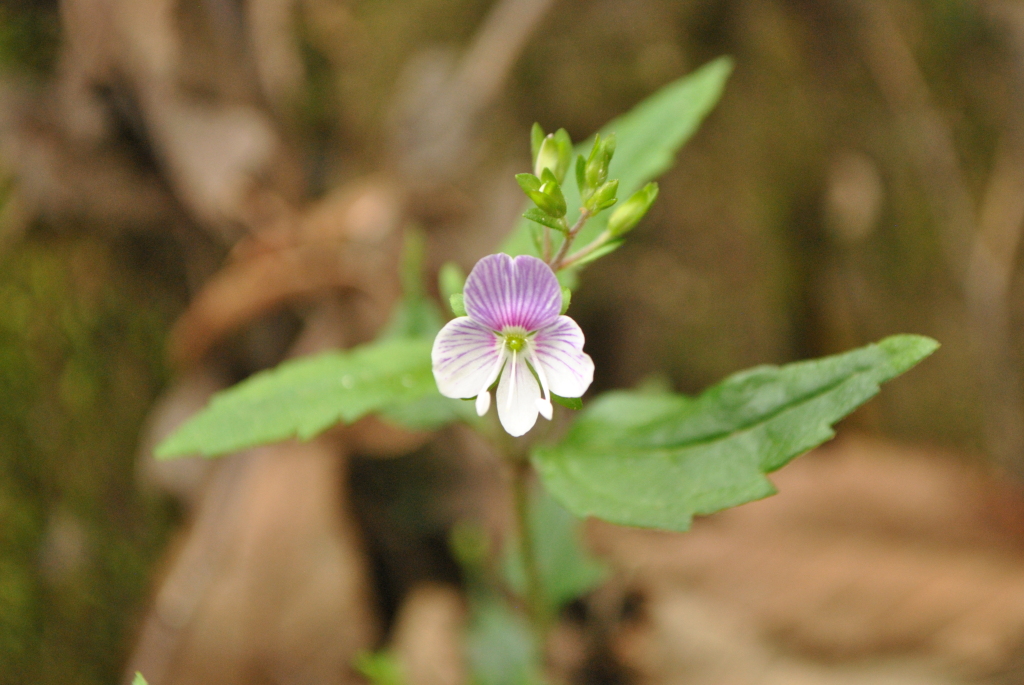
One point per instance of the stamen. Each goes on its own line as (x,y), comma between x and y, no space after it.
(512,384)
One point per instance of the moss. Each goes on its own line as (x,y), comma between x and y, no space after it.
(29,37)
(80,360)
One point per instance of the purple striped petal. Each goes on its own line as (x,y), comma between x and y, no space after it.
(517,397)
(559,348)
(502,292)
(466,358)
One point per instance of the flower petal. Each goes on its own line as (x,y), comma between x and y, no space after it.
(502,292)
(559,348)
(466,358)
(517,397)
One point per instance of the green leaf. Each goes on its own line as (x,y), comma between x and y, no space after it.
(500,649)
(451,279)
(380,668)
(528,182)
(649,136)
(139,680)
(575,403)
(431,412)
(567,571)
(656,460)
(304,397)
(415,315)
(457,303)
(541,217)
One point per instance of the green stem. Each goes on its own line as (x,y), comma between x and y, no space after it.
(556,263)
(598,242)
(535,604)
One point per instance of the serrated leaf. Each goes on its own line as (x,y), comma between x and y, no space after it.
(656,460)
(567,571)
(304,397)
(649,136)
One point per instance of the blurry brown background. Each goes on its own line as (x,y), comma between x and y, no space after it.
(192,190)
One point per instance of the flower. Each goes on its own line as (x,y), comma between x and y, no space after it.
(512,329)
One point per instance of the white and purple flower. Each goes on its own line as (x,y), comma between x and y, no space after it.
(513,329)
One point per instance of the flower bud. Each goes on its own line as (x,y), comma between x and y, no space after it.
(564,145)
(603,197)
(632,210)
(536,138)
(596,170)
(553,151)
(551,199)
(547,156)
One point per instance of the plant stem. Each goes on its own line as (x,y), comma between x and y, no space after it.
(547,243)
(598,242)
(535,604)
(556,263)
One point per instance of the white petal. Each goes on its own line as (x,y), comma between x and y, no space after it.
(559,349)
(545,408)
(518,393)
(483,402)
(465,356)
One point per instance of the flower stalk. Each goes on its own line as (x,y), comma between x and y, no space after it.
(557,263)
(540,620)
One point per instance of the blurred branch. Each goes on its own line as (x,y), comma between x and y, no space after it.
(980,245)
(928,136)
(437,129)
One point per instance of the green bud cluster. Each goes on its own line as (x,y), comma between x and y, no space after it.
(552,155)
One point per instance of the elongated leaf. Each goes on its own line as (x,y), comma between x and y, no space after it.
(657,460)
(416,315)
(648,137)
(139,680)
(304,397)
